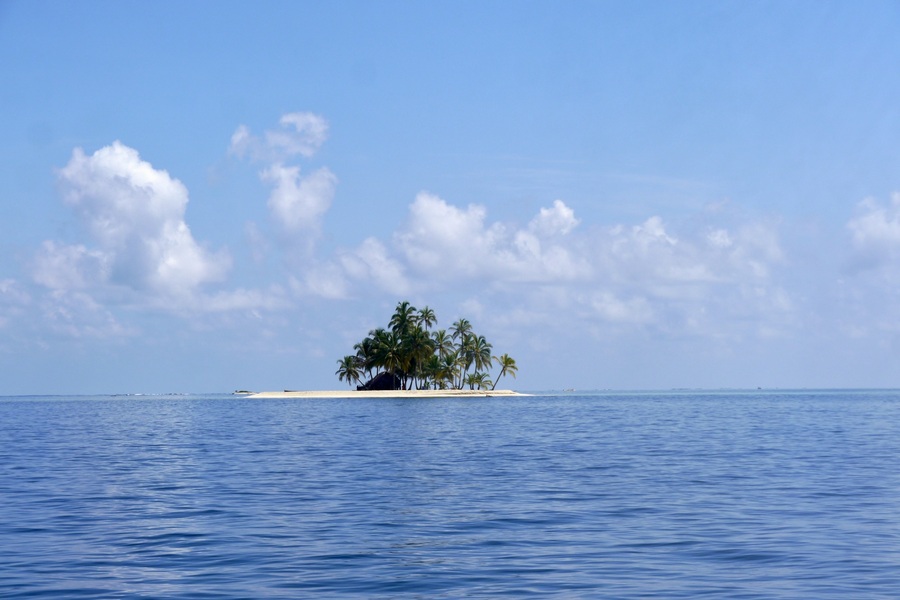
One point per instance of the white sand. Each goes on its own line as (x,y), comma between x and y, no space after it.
(387,394)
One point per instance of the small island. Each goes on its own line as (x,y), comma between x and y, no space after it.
(411,358)
(408,355)
(311,394)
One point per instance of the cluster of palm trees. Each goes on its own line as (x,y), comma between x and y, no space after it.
(422,358)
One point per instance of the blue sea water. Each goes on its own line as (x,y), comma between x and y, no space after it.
(788,494)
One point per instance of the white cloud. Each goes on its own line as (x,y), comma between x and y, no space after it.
(11,292)
(274,298)
(326,281)
(719,239)
(242,142)
(457,243)
(442,246)
(298,203)
(644,275)
(640,276)
(300,133)
(610,308)
(441,237)
(650,253)
(58,266)
(13,300)
(875,233)
(371,262)
(135,214)
(867,298)
(367,267)
(558,220)
(76,314)
(139,252)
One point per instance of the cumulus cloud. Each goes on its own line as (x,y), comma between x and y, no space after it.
(299,133)
(875,233)
(298,203)
(442,238)
(557,220)
(632,274)
(371,262)
(867,298)
(646,275)
(650,253)
(135,215)
(138,251)
(368,266)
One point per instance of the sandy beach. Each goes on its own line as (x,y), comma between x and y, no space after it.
(385,394)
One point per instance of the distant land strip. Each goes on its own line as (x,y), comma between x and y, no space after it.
(383,394)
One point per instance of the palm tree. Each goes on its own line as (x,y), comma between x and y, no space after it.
(481,353)
(417,347)
(460,329)
(478,379)
(365,352)
(465,355)
(449,370)
(376,343)
(427,318)
(348,368)
(390,353)
(507,366)
(403,318)
(443,343)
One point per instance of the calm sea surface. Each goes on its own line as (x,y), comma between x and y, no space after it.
(613,495)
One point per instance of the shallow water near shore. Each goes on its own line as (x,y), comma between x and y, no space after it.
(792,494)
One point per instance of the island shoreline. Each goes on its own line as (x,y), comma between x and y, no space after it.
(385,394)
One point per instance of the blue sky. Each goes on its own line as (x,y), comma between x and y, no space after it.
(207,196)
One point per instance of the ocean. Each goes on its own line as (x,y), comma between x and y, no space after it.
(683,494)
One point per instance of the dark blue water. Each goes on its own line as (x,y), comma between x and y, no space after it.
(682,495)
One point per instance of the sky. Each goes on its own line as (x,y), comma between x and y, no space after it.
(208,196)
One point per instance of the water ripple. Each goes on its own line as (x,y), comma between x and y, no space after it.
(775,495)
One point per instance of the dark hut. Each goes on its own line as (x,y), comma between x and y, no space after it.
(382,381)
